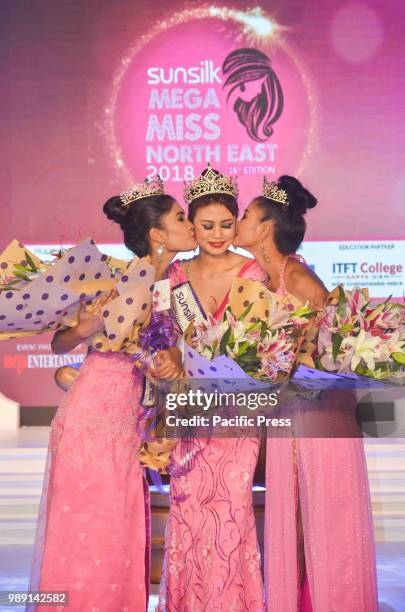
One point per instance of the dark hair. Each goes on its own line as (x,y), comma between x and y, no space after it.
(138,218)
(290,225)
(259,114)
(213,198)
(225,199)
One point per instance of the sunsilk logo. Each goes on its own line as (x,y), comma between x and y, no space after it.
(206,72)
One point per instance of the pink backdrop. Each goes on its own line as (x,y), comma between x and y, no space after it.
(77,109)
(58,63)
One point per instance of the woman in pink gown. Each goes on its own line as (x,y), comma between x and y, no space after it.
(212,558)
(93,535)
(319,539)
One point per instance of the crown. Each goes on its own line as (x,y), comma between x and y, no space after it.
(149,187)
(273,192)
(211,181)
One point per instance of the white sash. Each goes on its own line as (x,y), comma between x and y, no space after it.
(186,306)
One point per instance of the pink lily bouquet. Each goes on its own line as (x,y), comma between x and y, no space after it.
(358,336)
(265,347)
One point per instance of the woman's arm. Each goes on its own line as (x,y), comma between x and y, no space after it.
(168,364)
(66,340)
(307,287)
(89,323)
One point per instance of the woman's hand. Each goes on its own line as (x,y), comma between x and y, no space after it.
(66,340)
(168,364)
(92,321)
(89,322)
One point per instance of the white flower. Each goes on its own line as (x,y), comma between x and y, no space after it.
(205,336)
(239,335)
(343,358)
(365,348)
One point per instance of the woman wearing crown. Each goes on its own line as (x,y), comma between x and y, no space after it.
(93,534)
(319,539)
(212,559)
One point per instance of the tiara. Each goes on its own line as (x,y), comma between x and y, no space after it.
(149,187)
(273,192)
(210,182)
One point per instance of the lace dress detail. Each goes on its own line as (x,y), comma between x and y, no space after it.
(212,557)
(93,529)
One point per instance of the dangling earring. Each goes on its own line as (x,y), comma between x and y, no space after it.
(160,251)
(263,253)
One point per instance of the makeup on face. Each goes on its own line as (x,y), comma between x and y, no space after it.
(247,228)
(214,228)
(179,231)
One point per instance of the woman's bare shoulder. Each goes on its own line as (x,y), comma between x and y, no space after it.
(239,260)
(302,282)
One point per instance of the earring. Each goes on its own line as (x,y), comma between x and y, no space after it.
(263,253)
(160,251)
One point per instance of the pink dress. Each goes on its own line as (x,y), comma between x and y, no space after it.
(93,531)
(326,478)
(212,557)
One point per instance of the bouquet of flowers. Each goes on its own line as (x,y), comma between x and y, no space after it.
(36,296)
(358,336)
(264,349)
(258,337)
(18,266)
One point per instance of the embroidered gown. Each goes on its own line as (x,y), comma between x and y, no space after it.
(212,558)
(93,531)
(325,480)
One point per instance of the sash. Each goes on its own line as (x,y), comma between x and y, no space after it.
(186,306)
(148,393)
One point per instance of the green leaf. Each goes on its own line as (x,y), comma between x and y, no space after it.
(243,347)
(30,262)
(346,327)
(246,311)
(252,351)
(304,311)
(244,363)
(398,357)
(341,302)
(336,342)
(224,341)
(21,268)
(227,309)
(249,353)
(366,305)
(375,312)
(21,275)
(318,364)
(253,326)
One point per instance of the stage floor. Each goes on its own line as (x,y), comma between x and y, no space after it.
(22,460)
(15,565)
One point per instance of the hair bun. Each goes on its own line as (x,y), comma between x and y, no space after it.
(115,210)
(299,198)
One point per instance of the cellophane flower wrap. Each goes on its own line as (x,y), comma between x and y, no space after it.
(260,331)
(38,297)
(357,335)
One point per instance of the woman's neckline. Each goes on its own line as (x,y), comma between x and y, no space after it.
(224,300)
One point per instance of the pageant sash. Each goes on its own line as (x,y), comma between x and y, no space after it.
(186,306)
(148,393)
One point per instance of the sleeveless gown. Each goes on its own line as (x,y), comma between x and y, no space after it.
(325,480)
(212,558)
